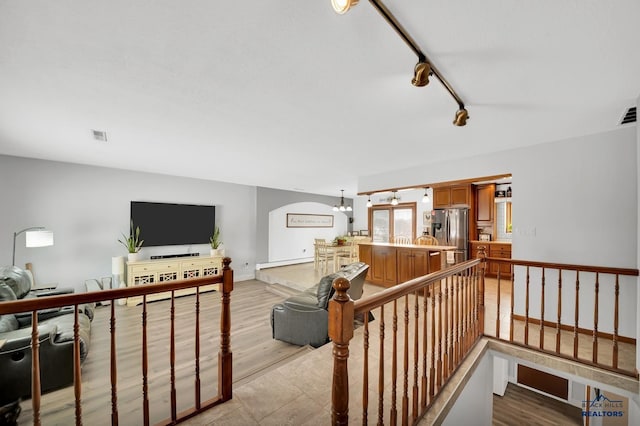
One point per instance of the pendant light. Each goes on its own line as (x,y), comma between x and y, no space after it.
(425,198)
(342,207)
(394,200)
(369,203)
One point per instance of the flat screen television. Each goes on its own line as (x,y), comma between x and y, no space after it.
(166,224)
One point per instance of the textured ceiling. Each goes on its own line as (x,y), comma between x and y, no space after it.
(290,95)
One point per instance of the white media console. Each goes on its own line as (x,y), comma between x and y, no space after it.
(172,269)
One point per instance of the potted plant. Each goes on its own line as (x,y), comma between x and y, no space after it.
(215,242)
(132,243)
(340,240)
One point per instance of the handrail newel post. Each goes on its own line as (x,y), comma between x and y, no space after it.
(341,316)
(225,356)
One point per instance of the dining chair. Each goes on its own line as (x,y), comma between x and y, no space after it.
(325,254)
(316,243)
(347,254)
(426,240)
(402,240)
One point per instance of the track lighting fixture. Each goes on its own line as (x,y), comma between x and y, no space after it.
(343,6)
(342,207)
(424,68)
(421,74)
(461,117)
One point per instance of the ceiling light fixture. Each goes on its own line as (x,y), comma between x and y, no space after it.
(424,68)
(342,6)
(394,200)
(425,198)
(342,207)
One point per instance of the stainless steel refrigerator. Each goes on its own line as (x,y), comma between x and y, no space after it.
(451,228)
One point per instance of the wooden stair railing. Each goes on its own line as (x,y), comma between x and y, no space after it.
(563,313)
(436,320)
(225,359)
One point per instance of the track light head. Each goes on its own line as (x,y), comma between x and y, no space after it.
(421,74)
(461,117)
(342,6)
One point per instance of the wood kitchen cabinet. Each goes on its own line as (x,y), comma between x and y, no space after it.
(500,250)
(493,249)
(391,264)
(485,204)
(451,196)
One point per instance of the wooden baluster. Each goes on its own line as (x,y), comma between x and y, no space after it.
(77,376)
(558,324)
(444,329)
(616,318)
(145,365)
(442,320)
(459,321)
(469,309)
(394,365)
(481,288)
(35,369)
(432,370)
(172,356)
(475,299)
(114,366)
(498,304)
(467,304)
(365,369)
(594,355)
(197,384)
(451,327)
(424,384)
(455,324)
(526,310)
(405,364)
(542,283)
(381,370)
(341,316)
(225,356)
(416,332)
(511,322)
(577,313)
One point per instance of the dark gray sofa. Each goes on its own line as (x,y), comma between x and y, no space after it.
(303,319)
(55,328)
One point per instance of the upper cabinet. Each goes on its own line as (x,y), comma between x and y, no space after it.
(485,203)
(451,196)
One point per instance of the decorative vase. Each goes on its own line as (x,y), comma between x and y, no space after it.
(215,252)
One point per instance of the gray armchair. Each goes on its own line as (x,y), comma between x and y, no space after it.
(303,319)
(56,332)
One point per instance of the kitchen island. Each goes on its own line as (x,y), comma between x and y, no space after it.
(391,264)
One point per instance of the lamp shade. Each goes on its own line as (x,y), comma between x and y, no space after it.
(117,265)
(39,238)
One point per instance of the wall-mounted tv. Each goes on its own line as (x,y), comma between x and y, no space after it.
(166,224)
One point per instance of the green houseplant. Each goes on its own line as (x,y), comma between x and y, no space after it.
(132,243)
(215,242)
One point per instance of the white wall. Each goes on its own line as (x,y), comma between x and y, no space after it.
(576,202)
(474,405)
(87,208)
(297,243)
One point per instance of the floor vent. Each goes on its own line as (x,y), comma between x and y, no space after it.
(629,116)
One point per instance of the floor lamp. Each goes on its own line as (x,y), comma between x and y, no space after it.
(36,236)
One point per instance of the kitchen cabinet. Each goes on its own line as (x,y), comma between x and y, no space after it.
(500,250)
(485,204)
(391,264)
(451,196)
(493,249)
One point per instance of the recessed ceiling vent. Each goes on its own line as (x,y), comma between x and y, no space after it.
(100,135)
(629,116)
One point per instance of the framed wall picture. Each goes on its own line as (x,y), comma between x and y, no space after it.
(304,220)
(355,233)
(364,232)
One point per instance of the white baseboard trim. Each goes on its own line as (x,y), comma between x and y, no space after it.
(260,266)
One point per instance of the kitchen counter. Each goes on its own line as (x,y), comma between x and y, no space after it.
(489,242)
